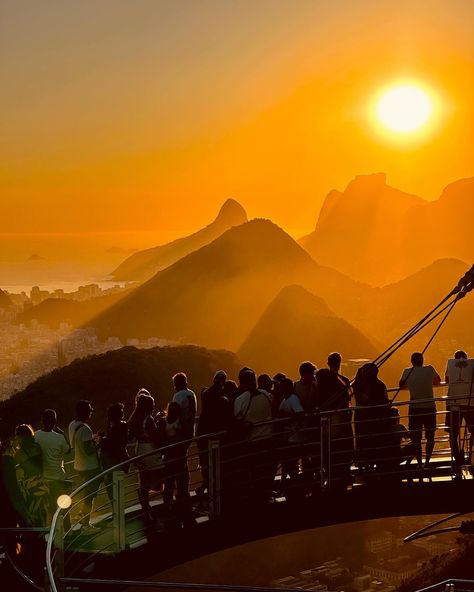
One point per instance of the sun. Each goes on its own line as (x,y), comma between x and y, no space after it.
(404,108)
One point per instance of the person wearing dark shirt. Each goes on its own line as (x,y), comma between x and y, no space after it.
(372,414)
(113,445)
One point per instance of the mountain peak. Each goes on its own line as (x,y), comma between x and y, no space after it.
(232,213)
(373,182)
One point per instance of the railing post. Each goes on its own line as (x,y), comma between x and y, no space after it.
(325,447)
(455,438)
(214,455)
(118,510)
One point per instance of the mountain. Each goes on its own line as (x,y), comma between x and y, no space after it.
(297,326)
(360,230)
(378,234)
(114,376)
(215,295)
(443,228)
(5,301)
(144,264)
(54,311)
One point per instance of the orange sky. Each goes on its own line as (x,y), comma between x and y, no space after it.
(146,115)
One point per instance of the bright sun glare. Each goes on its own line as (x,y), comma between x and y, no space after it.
(404,108)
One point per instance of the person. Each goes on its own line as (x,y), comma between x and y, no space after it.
(216,416)
(419,380)
(305,387)
(334,364)
(251,408)
(332,398)
(113,444)
(86,460)
(186,399)
(371,416)
(35,492)
(54,449)
(265,383)
(459,376)
(397,447)
(291,408)
(144,430)
(277,395)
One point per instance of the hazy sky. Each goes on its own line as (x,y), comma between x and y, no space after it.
(147,114)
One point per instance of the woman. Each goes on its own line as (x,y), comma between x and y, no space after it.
(34,490)
(113,446)
(142,428)
(372,416)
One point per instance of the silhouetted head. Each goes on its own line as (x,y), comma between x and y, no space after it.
(286,387)
(248,381)
(417,359)
(180,381)
(49,419)
(279,377)
(84,410)
(334,361)
(144,404)
(265,382)
(173,412)
(230,387)
(243,371)
(368,371)
(394,415)
(24,434)
(460,355)
(307,371)
(115,413)
(220,377)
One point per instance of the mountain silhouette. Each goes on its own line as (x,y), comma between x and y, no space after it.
(144,264)
(443,228)
(360,230)
(297,326)
(114,376)
(215,295)
(54,311)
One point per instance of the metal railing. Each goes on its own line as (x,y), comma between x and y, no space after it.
(452,585)
(199,479)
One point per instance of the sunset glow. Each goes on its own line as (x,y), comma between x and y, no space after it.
(404,108)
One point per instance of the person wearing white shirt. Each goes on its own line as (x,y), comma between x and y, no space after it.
(186,399)
(54,449)
(420,379)
(459,376)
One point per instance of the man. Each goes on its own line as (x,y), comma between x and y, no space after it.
(460,405)
(86,460)
(334,364)
(210,420)
(186,399)
(420,379)
(305,387)
(54,448)
(253,406)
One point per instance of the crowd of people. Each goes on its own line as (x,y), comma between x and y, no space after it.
(265,425)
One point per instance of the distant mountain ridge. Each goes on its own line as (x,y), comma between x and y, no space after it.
(378,234)
(297,326)
(144,264)
(215,295)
